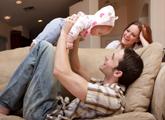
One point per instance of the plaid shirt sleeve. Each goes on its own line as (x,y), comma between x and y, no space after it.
(104,98)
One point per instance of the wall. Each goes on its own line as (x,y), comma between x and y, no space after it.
(5,32)
(158,20)
(88,7)
(23,30)
(6,29)
(145,11)
(132,10)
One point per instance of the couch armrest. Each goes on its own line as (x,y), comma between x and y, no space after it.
(131,116)
(158,98)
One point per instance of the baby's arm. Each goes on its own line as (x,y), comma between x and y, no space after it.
(80,24)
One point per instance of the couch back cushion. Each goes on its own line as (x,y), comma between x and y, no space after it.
(158,99)
(91,59)
(139,93)
(9,60)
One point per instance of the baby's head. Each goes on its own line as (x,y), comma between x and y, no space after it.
(104,21)
(99,30)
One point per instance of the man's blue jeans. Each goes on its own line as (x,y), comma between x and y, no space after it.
(33,84)
(52,31)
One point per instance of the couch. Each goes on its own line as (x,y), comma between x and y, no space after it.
(144,99)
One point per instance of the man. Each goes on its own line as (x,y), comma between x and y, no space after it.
(100,99)
(33,83)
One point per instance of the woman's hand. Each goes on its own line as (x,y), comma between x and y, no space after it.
(141,36)
(143,40)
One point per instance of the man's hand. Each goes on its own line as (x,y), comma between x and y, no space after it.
(73,82)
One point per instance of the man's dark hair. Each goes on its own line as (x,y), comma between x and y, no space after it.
(131,65)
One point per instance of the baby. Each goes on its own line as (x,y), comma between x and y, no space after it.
(101,23)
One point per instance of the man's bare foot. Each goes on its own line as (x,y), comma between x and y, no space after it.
(4,110)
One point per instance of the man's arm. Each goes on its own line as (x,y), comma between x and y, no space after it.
(75,62)
(73,82)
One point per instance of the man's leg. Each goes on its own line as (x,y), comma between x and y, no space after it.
(40,96)
(52,31)
(13,95)
(20,82)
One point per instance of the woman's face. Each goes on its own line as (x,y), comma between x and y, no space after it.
(130,36)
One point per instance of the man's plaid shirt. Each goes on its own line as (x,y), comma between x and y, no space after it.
(101,100)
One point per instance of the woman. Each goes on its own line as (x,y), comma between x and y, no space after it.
(135,35)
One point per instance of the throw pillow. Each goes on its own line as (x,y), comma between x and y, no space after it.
(138,95)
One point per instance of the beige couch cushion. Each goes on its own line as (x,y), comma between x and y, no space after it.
(139,94)
(11,117)
(131,116)
(92,58)
(9,60)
